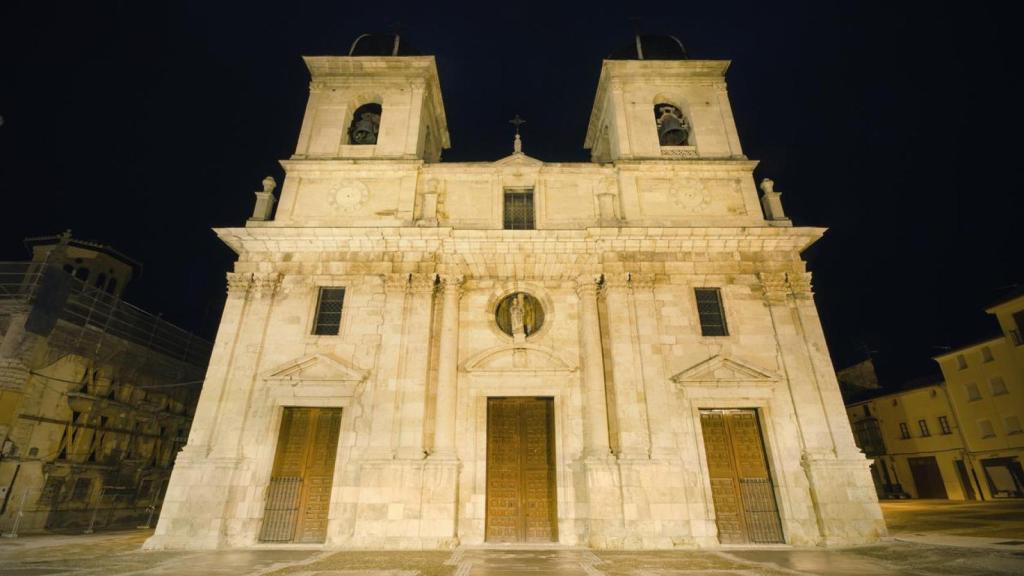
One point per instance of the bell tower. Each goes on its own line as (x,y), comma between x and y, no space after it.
(653,102)
(380,102)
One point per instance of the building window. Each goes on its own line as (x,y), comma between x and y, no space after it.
(711,312)
(1013,425)
(961,362)
(923,425)
(944,425)
(986,429)
(82,489)
(1018,334)
(998,386)
(986,354)
(328,311)
(867,410)
(972,392)
(904,431)
(519,210)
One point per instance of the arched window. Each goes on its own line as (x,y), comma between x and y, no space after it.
(101,281)
(82,274)
(673,129)
(111,285)
(365,125)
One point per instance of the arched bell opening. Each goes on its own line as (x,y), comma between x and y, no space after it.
(673,128)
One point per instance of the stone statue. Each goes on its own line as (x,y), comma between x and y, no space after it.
(768,186)
(515,313)
(269,184)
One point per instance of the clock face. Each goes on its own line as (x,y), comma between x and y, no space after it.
(348,196)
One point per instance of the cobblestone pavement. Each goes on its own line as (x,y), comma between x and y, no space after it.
(929,538)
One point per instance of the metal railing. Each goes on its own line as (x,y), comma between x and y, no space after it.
(89,314)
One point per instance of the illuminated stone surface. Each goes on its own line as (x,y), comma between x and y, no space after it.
(619,246)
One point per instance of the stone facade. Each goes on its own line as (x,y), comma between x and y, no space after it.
(617,248)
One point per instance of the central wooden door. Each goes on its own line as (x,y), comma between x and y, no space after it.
(927,478)
(741,487)
(521,470)
(298,499)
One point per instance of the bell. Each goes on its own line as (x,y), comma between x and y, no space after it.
(672,132)
(364,130)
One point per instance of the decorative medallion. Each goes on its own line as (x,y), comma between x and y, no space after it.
(519,314)
(689,194)
(348,195)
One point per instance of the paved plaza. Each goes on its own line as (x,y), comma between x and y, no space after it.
(926,537)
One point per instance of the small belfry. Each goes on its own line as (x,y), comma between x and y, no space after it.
(621,353)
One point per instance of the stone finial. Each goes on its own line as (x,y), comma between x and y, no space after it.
(771,203)
(265,200)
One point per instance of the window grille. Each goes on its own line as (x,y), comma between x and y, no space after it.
(328,311)
(712,314)
(519,210)
(944,425)
(904,431)
(923,425)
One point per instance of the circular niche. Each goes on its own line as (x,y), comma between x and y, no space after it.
(519,313)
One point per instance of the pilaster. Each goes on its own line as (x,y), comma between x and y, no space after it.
(414,370)
(447,369)
(626,368)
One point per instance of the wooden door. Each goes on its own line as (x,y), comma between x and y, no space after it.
(741,486)
(927,478)
(298,498)
(520,470)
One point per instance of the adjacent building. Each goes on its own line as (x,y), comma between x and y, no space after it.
(96,396)
(622,353)
(957,437)
(986,385)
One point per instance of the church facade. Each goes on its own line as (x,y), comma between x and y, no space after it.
(420,354)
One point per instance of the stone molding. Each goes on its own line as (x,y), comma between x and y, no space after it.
(480,362)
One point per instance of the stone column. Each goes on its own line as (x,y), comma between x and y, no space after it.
(595,403)
(821,363)
(241,374)
(414,370)
(656,386)
(210,405)
(447,370)
(627,374)
(389,366)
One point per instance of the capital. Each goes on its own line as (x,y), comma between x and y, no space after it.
(800,284)
(238,284)
(452,283)
(641,280)
(774,286)
(587,284)
(396,282)
(423,283)
(265,284)
(619,281)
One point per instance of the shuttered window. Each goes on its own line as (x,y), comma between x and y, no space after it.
(712,314)
(519,210)
(328,311)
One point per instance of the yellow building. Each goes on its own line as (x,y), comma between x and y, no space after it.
(915,442)
(92,406)
(986,387)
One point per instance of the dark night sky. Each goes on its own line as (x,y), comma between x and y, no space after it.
(898,127)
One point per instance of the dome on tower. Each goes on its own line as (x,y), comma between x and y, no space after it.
(651,47)
(382,44)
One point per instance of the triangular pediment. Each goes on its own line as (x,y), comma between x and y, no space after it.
(518,159)
(315,368)
(519,358)
(722,369)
